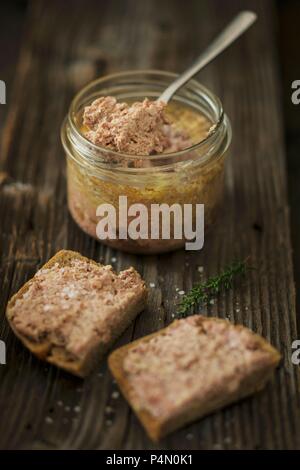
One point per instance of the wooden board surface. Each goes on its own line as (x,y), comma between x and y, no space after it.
(10,39)
(64,48)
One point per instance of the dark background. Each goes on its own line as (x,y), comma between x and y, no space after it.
(13,15)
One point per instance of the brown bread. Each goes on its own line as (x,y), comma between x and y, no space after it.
(73,309)
(191,368)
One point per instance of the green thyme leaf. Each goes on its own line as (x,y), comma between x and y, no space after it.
(208,290)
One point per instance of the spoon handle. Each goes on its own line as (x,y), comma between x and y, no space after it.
(234,29)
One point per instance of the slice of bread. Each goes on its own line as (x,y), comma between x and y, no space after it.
(73,309)
(191,368)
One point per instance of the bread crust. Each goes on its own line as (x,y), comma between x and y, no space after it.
(158,428)
(58,356)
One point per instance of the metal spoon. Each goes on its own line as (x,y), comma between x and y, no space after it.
(234,29)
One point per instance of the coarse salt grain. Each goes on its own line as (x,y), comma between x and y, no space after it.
(69,291)
(47,308)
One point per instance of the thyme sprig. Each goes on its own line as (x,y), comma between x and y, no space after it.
(208,290)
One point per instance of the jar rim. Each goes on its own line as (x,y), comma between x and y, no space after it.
(162,156)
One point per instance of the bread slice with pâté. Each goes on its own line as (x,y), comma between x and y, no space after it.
(189,369)
(73,309)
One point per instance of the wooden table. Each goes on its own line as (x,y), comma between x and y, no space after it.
(64,47)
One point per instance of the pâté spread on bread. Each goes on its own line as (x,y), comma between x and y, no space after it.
(73,309)
(191,368)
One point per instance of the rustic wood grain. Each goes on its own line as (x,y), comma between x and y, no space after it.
(63,48)
(290,69)
(10,39)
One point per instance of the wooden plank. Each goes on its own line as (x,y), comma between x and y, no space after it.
(10,38)
(42,407)
(290,69)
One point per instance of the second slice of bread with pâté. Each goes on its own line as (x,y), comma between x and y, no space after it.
(191,368)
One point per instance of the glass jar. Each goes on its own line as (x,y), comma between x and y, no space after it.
(97,175)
